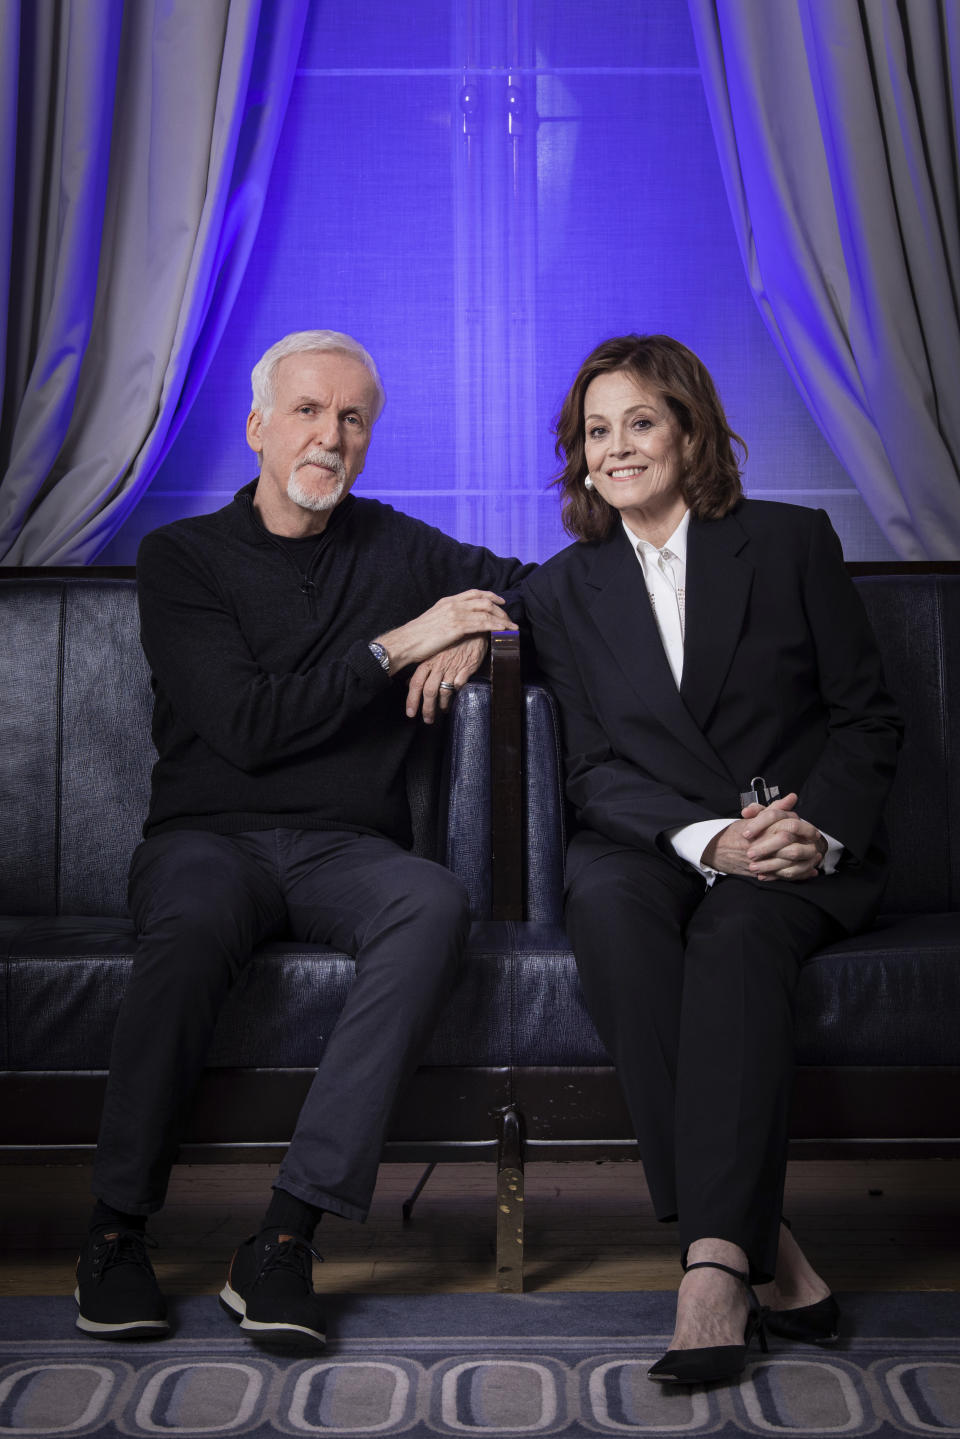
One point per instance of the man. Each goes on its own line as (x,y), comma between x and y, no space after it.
(275,630)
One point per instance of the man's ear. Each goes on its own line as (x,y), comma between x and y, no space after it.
(254,428)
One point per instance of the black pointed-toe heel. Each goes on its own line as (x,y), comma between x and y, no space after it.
(721,1361)
(812,1324)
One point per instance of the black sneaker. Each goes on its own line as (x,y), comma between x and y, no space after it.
(270,1289)
(117,1290)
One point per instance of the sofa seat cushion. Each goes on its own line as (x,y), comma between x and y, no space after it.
(888,997)
(548,1015)
(63,980)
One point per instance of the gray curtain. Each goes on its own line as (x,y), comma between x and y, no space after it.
(136,139)
(838,126)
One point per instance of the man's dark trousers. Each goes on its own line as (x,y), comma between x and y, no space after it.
(201,902)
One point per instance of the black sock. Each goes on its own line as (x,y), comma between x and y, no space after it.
(292,1215)
(105,1217)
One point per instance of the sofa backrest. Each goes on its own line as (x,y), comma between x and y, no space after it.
(916,618)
(76,751)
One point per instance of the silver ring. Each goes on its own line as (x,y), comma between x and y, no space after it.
(446,685)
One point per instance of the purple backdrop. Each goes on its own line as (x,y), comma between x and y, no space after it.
(480,193)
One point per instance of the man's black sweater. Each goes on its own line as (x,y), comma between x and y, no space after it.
(270,710)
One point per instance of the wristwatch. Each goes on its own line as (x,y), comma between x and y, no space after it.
(379,654)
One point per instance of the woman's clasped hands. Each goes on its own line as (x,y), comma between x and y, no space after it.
(768,842)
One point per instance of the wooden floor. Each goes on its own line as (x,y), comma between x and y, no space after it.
(865,1225)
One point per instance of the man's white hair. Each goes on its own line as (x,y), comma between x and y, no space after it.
(304,342)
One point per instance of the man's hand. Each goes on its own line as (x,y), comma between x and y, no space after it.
(475,612)
(768,843)
(453,665)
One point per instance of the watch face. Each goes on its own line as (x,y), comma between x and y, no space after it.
(379,654)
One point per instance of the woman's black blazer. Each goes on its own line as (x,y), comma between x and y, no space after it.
(781,678)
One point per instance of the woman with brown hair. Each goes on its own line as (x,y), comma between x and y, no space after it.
(729,744)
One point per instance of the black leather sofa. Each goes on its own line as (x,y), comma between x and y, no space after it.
(514,1068)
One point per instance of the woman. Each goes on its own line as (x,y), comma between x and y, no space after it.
(729,745)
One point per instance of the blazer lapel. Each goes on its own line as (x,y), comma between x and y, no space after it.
(624,620)
(718,588)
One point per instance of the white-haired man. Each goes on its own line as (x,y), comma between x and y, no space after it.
(275,629)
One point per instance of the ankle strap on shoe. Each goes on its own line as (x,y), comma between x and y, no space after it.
(715,1264)
(758,1311)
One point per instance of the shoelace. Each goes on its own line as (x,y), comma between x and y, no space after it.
(125,1247)
(289,1253)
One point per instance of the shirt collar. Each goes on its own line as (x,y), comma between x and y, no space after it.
(676,544)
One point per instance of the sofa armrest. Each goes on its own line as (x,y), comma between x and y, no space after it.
(506,776)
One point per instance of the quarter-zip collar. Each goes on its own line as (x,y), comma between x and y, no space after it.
(261,535)
(243,499)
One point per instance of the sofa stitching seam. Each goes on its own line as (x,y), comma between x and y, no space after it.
(945,736)
(58,775)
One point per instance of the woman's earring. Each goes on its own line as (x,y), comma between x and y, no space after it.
(588,483)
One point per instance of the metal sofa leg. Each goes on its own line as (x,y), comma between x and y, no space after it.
(510,1203)
(407,1207)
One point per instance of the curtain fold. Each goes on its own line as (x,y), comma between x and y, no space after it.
(138,170)
(838,129)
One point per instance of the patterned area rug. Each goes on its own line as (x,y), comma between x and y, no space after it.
(476,1364)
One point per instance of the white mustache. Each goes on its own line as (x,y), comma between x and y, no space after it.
(329,459)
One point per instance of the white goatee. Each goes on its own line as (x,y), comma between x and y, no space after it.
(309,499)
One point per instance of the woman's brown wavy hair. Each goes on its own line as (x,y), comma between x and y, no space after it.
(711,482)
